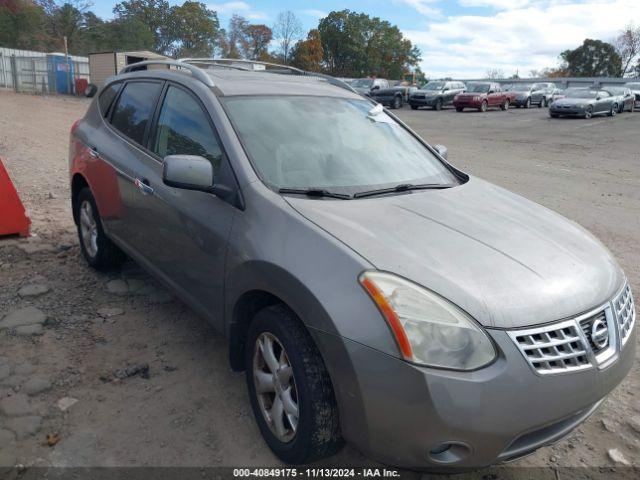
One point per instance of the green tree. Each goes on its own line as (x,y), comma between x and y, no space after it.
(355,45)
(195,29)
(155,15)
(307,54)
(594,58)
(22,25)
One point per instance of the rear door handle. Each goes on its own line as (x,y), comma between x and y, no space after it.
(93,151)
(143,186)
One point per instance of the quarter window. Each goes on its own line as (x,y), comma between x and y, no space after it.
(134,109)
(107,96)
(184,129)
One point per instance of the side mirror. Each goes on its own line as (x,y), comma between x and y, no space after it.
(598,97)
(490,92)
(442,150)
(188,172)
(90,91)
(376,87)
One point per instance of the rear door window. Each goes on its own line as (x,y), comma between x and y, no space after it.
(184,129)
(134,109)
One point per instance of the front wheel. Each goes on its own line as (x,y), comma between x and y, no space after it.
(96,248)
(588,113)
(290,390)
(484,106)
(438,105)
(397,103)
(459,109)
(554,115)
(527,104)
(505,105)
(614,110)
(414,107)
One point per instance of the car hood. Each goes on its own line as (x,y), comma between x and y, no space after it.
(573,101)
(505,260)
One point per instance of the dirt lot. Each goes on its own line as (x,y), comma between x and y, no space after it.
(67,375)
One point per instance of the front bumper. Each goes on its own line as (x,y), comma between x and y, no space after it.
(567,110)
(519,102)
(386,101)
(423,102)
(467,103)
(399,413)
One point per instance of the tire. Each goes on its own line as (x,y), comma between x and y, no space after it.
(527,104)
(484,106)
(505,105)
(588,113)
(459,109)
(414,107)
(397,103)
(438,105)
(554,115)
(621,108)
(633,107)
(97,249)
(614,110)
(317,431)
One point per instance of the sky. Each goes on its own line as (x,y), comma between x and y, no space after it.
(461,38)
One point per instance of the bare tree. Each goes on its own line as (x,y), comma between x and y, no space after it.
(286,31)
(494,73)
(628,47)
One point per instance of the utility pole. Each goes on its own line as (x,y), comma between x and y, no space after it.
(68,68)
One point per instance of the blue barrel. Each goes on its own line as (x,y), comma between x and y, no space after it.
(61,74)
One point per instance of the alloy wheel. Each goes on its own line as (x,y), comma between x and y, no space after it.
(88,228)
(588,112)
(275,387)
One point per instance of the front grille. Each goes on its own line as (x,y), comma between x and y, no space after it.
(553,348)
(587,327)
(589,340)
(625,313)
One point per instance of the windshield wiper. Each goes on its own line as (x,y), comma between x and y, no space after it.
(403,187)
(315,192)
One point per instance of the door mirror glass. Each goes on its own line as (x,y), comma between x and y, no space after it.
(90,91)
(188,172)
(442,150)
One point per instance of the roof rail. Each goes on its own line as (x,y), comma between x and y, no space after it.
(227,62)
(196,72)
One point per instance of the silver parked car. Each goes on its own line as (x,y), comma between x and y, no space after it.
(584,102)
(371,291)
(624,98)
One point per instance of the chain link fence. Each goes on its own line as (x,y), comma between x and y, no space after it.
(43,73)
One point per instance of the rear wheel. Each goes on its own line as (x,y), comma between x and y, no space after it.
(397,102)
(459,109)
(554,115)
(527,104)
(289,387)
(543,103)
(588,113)
(505,105)
(414,107)
(614,110)
(99,252)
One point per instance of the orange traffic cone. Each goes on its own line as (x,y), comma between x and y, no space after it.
(13,220)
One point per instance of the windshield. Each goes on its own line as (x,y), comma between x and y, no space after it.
(521,87)
(540,86)
(478,87)
(433,86)
(342,145)
(362,82)
(580,93)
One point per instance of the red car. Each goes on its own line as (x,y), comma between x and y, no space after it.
(482,96)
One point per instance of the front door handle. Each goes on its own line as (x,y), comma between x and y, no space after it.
(93,151)
(143,186)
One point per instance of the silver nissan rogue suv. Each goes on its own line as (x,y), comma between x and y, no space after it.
(371,291)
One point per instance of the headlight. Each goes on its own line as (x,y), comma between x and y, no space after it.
(429,329)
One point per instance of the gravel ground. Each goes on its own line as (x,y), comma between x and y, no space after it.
(113,371)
